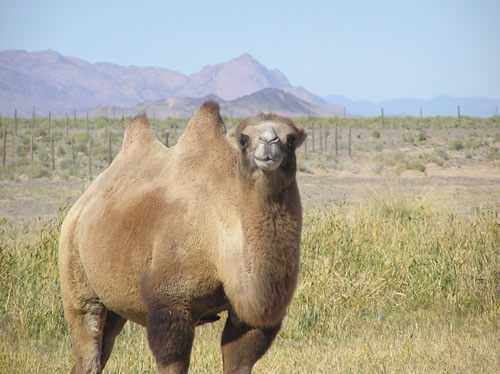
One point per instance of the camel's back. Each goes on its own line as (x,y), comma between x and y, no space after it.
(108,232)
(149,195)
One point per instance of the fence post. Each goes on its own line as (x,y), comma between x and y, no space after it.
(73,152)
(305,146)
(327,134)
(336,140)
(72,142)
(382,115)
(66,127)
(349,143)
(167,134)
(32,126)
(320,138)
(89,146)
(15,137)
(51,139)
(313,138)
(15,122)
(87,124)
(174,133)
(110,149)
(458,113)
(4,152)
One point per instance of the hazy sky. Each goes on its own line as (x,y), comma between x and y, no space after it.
(370,49)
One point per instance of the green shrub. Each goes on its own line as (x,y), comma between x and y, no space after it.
(456,145)
(421,136)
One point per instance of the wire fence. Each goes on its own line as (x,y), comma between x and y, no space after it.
(82,147)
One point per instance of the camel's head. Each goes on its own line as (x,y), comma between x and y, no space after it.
(267,144)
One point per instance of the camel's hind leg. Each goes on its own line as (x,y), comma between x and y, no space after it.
(86,327)
(113,326)
(93,334)
(243,346)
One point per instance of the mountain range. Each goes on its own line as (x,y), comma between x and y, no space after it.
(49,81)
(437,106)
(265,100)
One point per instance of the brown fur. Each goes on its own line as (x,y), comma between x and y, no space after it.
(169,237)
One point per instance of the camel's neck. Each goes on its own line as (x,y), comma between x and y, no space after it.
(267,272)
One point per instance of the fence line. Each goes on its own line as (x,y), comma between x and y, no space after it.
(79,145)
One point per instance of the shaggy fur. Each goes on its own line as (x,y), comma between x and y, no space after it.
(170,237)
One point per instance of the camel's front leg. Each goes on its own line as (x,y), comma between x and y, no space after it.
(170,335)
(243,345)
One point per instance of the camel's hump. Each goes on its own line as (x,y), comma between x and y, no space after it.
(138,133)
(205,124)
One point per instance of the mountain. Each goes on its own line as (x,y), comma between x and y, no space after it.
(265,100)
(50,81)
(437,106)
(235,78)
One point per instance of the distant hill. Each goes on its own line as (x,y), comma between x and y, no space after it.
(50,81)
(265,100)
(437,106)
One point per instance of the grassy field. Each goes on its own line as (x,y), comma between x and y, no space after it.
(392,285)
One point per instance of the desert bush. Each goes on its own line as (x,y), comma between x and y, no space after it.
(408,137)
(421,136)
(409,164)
(40,171)
(456,145)
(493,153)
(61,150)
(441,153)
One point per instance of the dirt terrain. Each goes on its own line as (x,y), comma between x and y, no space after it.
(459,189)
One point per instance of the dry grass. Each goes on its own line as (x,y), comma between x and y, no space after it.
(390,286)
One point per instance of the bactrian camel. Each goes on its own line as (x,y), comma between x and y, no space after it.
(171,237)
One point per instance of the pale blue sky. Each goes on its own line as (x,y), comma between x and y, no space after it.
(362,49)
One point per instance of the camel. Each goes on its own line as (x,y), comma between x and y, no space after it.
(170,237)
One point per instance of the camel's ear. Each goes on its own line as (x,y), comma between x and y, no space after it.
(296,140)
(235,136)
(232,136)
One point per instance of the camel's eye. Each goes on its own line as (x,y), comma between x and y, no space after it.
(290,140)
(244,140)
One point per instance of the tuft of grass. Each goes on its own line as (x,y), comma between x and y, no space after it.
(456,145)
(391,285)
(421,136)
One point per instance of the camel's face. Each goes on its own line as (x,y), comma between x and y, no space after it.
(268,143)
